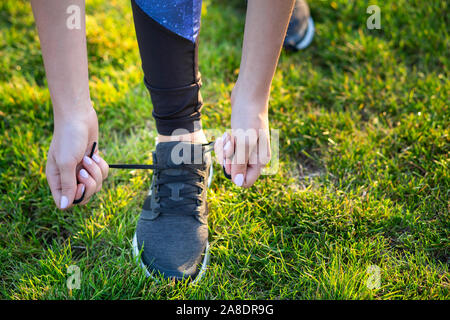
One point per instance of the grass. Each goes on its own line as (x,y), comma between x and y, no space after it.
(364,162)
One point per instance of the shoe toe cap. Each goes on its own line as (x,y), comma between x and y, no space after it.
(173,254)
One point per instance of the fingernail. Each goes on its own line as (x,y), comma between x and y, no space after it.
(227,146)
(87,160)
(82,188)
(224,136)
(239,179)
(84,173)
(96,158)
(64,202)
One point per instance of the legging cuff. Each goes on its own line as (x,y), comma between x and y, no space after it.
(178,108)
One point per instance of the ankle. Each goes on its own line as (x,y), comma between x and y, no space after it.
(195,137)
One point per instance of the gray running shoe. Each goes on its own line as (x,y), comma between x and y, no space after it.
(172,231)
(300,31)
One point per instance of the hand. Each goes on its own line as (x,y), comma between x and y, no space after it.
(68,159)
(246,151)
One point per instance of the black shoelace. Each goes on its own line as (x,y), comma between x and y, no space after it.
(188,192)
(90,156)
(151,166)
(194,177)
(175,194)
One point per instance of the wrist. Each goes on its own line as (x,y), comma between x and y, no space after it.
(253,81)
(250,91)
(72,111)
(248,101)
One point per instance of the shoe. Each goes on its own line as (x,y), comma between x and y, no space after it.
(172,231)
(300,32)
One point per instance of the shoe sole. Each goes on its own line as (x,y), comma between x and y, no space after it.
(309,36)
(206,255)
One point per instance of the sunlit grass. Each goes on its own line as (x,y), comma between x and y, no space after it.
(364,162)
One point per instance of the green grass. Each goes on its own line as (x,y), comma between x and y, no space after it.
(364,162)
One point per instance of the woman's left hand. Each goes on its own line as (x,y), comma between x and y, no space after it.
(245,151)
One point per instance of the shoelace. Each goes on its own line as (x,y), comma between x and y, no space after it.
(150,166)
(191,183)
(90,156)
(156,167)
(188,197)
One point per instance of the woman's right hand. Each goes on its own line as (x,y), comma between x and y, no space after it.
(70,171)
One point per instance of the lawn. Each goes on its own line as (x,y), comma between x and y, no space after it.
(363,175)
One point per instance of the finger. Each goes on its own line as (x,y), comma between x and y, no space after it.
(264,151)
(227,166)
(253,158)
(94,171)
(80,190)
(244,145)
(68,184)
(90,185)
(238,172)
(218,150)
(54,180)
(228,146)
(252,174)
(104,168)
(239,164)
(228,152)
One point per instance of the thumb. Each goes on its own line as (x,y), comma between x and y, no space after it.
(68,185)
(238,172)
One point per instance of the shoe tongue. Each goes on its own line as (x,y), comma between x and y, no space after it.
(175,153)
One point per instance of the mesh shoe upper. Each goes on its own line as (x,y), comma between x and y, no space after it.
(173,226)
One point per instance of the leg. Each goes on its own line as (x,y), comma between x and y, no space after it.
(167,34)
(172,231)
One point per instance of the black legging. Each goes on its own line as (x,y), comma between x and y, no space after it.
(170,65)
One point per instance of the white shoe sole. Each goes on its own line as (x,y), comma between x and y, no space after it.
(307,39)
